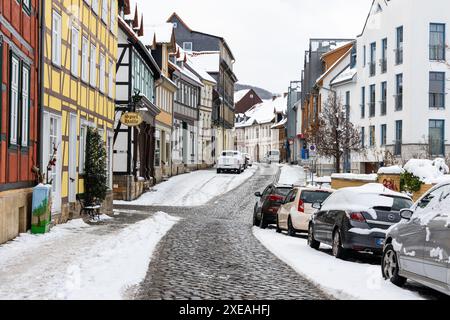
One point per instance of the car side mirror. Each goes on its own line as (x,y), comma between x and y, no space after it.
(406,214)
(317,205)
(258,194)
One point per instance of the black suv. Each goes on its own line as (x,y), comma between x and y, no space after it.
(269,202)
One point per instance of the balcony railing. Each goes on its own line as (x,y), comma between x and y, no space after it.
(398,102)
(437,100)
(373,68)
(437,52)
(399,56)
(383,105)
(383,64)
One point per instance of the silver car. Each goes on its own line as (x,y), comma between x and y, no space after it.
(418,248)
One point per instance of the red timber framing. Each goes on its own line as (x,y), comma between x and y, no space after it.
(19,54)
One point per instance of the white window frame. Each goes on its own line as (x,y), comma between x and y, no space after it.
(93,65)
(111,79)
(85,60)
(14,100)
(102,73)
(105,11)
(25,106)
(56,38)
(187,43)
(75,47)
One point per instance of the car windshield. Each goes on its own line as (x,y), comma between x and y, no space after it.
(314,196)
(228,154)
(282,191)
(401,203)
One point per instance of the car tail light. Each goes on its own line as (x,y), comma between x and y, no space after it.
(275,198)
(357,216)
(301,206)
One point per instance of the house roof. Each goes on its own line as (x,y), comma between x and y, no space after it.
(161,34)
(239,95)
(326,73)
(346,75)
(207,60)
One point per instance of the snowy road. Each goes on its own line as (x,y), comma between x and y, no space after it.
(212,254)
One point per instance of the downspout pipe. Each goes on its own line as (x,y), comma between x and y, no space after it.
(41,37)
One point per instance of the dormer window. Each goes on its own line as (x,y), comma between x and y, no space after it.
(187,46)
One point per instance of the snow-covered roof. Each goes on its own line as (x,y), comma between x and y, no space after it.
(208,60)
(334,65)
(162,33)
(200,71)
(346,75)
(280,124)
(187,73)
(264,112)
(239,95)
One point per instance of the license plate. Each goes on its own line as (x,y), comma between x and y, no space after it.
(380,242)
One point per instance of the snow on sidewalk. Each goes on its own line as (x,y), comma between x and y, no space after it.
(292,175)
(79,261)
(342,279)
(192,189)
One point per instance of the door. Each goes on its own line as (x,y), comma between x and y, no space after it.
(319,226)
(287,207)
(73,158)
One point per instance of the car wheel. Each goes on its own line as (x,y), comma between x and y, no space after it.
(262,222)
(390,268)
(338,250)
(278,226)
(291,231)
(313,243)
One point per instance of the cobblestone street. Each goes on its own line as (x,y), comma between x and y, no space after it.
(212,254)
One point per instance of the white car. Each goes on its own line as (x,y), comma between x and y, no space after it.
(231,161)
(273,156)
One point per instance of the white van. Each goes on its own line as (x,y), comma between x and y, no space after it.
(273,156)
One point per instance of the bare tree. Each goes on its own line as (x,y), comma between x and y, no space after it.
(334,134)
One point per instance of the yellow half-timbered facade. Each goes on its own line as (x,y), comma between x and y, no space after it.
(79,92)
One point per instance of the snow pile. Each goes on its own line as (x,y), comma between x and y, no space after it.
(294,175)
(391,170)
(192,189)
(363,198)
(358,177)
(79,261)
(427,170)
(342,279)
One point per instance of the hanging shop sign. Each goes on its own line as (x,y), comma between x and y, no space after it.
(131,119)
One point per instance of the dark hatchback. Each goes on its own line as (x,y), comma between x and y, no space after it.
(356,230)
(269,202)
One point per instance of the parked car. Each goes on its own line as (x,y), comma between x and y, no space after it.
(269,202)
(356,219)
(248,160)
(231,161)
(273,156)
(418,248)
(295,214)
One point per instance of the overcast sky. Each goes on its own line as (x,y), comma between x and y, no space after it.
(267,37)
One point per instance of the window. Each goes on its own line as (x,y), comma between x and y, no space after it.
(113,18)
(25,105)
(81,161)
(437,41)
(112,72)
(175,25)
(14,100)
(363,137)
(437,90)
(437,138)
(372,136)
(95,6)
(353,58)
(347,105)
(187,46)
(102,73)
(398,137)
(373,56)
(399,93)
(56,39)
(399,49)
(363,102)
(372,106)
(383,135)
(364,56)
(384,44)
(105,11)
(383,98)
(93,67)
(84,60)
(74,51)
(157,148)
